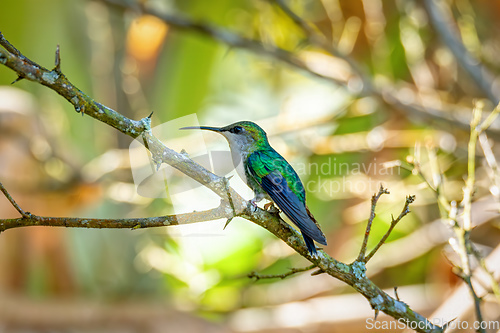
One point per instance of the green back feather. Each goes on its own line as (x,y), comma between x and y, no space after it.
(263,162)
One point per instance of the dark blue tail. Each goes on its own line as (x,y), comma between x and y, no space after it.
(310,245)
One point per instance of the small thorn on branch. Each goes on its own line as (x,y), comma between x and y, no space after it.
(396,293)
(317,272)
(19,78)
(57,67)
(229,198)
(227,222)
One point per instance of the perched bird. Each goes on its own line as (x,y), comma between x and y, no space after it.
(270,176)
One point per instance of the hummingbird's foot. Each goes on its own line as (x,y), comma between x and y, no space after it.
(253,202)
(271,208)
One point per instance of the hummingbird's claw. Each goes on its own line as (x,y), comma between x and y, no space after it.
(271,208)
(254,204)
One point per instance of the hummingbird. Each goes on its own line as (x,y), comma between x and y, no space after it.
(270,176)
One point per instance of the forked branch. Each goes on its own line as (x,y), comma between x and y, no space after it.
(363,257)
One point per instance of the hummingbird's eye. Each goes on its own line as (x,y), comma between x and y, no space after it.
(237,129)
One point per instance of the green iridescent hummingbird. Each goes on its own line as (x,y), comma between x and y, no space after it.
(270,176)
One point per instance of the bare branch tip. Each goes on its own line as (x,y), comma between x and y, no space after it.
(57,67)
(383,190)
(377,195)
(410,199)
(396,293)
(19,78)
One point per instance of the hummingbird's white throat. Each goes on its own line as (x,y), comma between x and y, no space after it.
(241,146)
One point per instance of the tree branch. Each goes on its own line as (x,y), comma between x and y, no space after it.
(353,274)
(58,82)
(29,219)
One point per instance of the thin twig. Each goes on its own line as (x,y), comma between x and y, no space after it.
(462,231)
(13,202)
(375,197)
(57,62)
(12,49)
(471,168)
(437,177)
(404,212)
(490,119)
(292,271)
(417,168)
(477,301)
(494,287)
(396,293)
(493,171)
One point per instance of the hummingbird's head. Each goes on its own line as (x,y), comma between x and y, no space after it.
(243,136)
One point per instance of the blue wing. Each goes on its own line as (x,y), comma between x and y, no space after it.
(277,188)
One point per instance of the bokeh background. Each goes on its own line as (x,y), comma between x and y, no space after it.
(344,140)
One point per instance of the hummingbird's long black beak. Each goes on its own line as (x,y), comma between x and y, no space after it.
(214,129)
